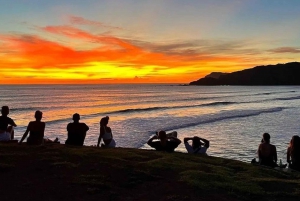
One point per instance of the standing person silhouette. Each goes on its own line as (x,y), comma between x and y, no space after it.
(6,132)
(35,129)
(76,131)
(105,134)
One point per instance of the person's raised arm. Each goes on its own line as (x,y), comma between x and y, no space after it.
(175,139)
(206,142)
(150,141)
(186,139)
(25,134)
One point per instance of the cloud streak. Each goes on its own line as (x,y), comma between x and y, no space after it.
(117,58)
(282,50)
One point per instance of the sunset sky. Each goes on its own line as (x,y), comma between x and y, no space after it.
(142,41)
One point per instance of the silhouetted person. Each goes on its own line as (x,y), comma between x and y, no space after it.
(168,144)
(6,132)
(267,153)
(293,153)
(105,134)
(76,131)
(36,130)
(197,147)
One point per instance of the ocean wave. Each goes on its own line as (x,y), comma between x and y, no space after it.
(133,110)
(288,98)
(226,115)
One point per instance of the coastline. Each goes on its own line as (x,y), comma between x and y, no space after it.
(59,172)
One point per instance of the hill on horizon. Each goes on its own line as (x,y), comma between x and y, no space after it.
(279,74)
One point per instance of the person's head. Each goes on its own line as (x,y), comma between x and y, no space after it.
(5,110)
(38,115)
(104,121)
(266,137)
(196,142)
(76,117)
(295,141)
(162,135)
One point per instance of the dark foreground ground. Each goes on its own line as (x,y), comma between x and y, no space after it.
(58,172)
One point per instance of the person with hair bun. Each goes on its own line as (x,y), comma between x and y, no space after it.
(36,130)
(106,134)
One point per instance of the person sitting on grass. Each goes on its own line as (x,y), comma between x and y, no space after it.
(106,134)
(197,147)
(35,129)
(165,143)
(267,153)
(76,131)
(293,153)
(6,132)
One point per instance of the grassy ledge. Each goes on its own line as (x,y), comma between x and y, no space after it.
(58,172)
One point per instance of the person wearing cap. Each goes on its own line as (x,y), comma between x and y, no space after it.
(106,134)
(76,131)
(35,129)
(199,145)
(164,143)
(6,125)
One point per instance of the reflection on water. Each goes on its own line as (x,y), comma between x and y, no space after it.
(233,119)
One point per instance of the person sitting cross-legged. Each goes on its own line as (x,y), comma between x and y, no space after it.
(165,143)
(76,131)
(199,145)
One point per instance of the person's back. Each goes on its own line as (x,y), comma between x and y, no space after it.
(35,129)
(267,152)
(293,153)
(36,133)
(197,146)
(165,143)
(76,131)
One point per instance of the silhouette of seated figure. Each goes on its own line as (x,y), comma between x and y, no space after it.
(76,131)
(199,145)
(267,153)
(6,125)
(36,130)
(293,153)
(164,143)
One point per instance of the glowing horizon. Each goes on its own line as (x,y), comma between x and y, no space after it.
(78,45)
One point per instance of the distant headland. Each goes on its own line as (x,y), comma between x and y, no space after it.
(280,74)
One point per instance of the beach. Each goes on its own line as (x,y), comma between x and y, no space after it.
(232,118)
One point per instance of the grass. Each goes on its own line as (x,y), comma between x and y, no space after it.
(58,172)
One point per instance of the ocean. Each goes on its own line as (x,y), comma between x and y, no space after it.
(232,118)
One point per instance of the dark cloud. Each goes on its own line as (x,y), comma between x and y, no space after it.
(285,50)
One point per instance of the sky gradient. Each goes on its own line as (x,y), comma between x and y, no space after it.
(142,41)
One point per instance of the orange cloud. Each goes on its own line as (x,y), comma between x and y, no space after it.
(111,59)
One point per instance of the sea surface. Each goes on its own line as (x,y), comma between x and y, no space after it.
(232,118)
